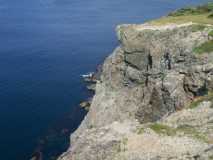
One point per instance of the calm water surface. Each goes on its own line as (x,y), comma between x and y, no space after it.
(44,46)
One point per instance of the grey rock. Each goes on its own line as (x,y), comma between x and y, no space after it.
(151,77)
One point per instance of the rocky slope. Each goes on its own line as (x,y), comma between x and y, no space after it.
(154,99)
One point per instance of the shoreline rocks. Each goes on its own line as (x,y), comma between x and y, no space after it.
(91,80)
(85,104)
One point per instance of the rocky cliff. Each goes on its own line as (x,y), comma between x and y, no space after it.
(154,99)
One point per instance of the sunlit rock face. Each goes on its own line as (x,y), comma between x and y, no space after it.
(147,80)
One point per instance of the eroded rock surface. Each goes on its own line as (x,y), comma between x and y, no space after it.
(146,85)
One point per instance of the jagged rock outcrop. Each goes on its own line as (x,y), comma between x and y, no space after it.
(139,109)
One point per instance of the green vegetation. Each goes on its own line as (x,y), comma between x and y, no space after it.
(191,131)
(122,146)
(140,130)
(201,14)
(124,141)
(198,100)
(211,15)
(207,8)
(198,27)
(163,129)
(211,157)
(206,47)
(211,34)
(186,129)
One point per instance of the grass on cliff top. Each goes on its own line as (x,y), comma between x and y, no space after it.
(201,14)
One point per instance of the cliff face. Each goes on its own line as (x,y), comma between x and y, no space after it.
(154,99)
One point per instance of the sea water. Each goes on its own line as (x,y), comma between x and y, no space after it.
(45,45)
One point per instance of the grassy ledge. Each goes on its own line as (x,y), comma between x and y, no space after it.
(187,130)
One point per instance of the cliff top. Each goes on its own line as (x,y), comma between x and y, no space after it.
(201,14)
(150,26)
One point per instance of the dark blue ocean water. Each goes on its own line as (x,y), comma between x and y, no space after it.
(44,47)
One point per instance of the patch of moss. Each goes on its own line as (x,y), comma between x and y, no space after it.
(206,47)
(163,129)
